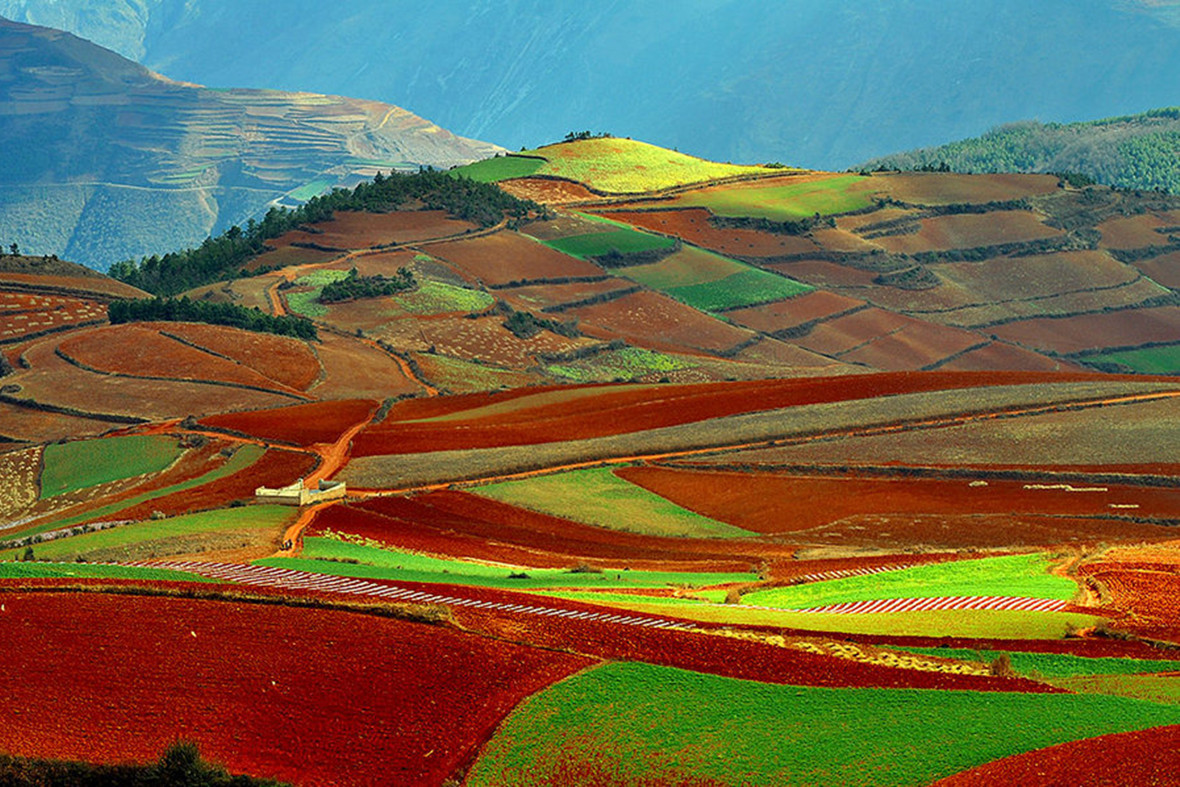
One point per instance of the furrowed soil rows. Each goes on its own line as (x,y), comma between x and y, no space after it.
(510,257)
(359,230)
(233,676)
(23,314)
(1114,329)
(945,513)
(1128,759)
(142,349)
(652,320)
(304,424)
(610,410)
(283,359)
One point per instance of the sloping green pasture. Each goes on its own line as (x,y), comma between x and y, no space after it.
(84,463)
(627,723)
(88,571)
(1014,575)
(711,282)
(785,203)
(436,297)
(491,170)
(597,496)
(596,244)
(327,556)
(1150,360)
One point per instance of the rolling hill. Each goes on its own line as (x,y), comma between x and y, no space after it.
(107,161)
(817,83)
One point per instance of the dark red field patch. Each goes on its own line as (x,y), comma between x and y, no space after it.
(315,697)
(1126,328)
(283,359)
(510,257)
(301,424)
(1127,759)
(694,226)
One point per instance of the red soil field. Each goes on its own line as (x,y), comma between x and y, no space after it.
(652,320)
(1023,278)
(967,230)
(998,355)
(284,255)
(301,424)
(276,468)
(1149,592)
(140,349)
(356,369)
(54,381)
(486,339)
(263,689)
(1133,232)
(508,256)
(618,410)
(1163,270)
(692,224)
(767,503)
(435,407)
(844,333)
(543,295)
(545,191)
(1127,759)
(914,345)
(449,520)
(36,426)
(99,285)
(796,360)
(821,273)
(283,359)
(353,230)
(23,314)
(1127,328)
(936,188)
(781,315)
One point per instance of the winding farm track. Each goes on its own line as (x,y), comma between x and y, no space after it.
(289,579)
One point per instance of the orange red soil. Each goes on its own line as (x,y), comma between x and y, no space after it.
(302,424)
(281,358)
(508,256)
(360,230)
(262,689)
(1128,759)
(613,410)
(1128,328)
(694,226)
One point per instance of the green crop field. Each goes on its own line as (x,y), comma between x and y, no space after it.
(598,497)
(596,244)
(307,303)
(245,456)
(625,364)
(625,723)
(458,375)
(984,624)
(1150,360)
(158,538)
(685,268)
(1055,665)
(86,571)
(326,556)
(85,463)
(628,166)
(436,297)
(491,170)
(312,189)
(786,203)
(1015,575)
(747,288)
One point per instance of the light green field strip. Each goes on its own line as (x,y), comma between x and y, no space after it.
(84,463)
(491,170)
(1055,665)
(629,166)
(1025,576)
(1150,360)
(626,723)
(307,303)
(982,624)
(750,287)
(436,297)
(244,457)
(685,268)
(87,571)
(598,497)
(312,189)
(322,556)
(1152,688)
(625,364)
(786,203)
(182,533)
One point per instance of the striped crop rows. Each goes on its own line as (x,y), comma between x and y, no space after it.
(1012,603)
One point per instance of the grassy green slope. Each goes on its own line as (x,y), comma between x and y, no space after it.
(85,463)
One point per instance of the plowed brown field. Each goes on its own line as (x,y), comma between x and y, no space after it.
(263,689)
(693,225)
(510,257)
(545,191)
(937,188)
(24,314)
(968,230)
(302,424)
(352,230)
(650,319)
(782,315)
(283,359)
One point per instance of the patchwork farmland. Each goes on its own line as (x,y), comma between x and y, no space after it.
(679,472)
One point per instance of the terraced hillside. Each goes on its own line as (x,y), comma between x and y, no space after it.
(128,163)
(723,481)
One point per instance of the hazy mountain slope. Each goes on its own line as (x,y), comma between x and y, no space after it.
(821,83)
(1137,151)
(106,160)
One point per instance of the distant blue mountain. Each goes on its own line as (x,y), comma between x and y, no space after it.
(822,83)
